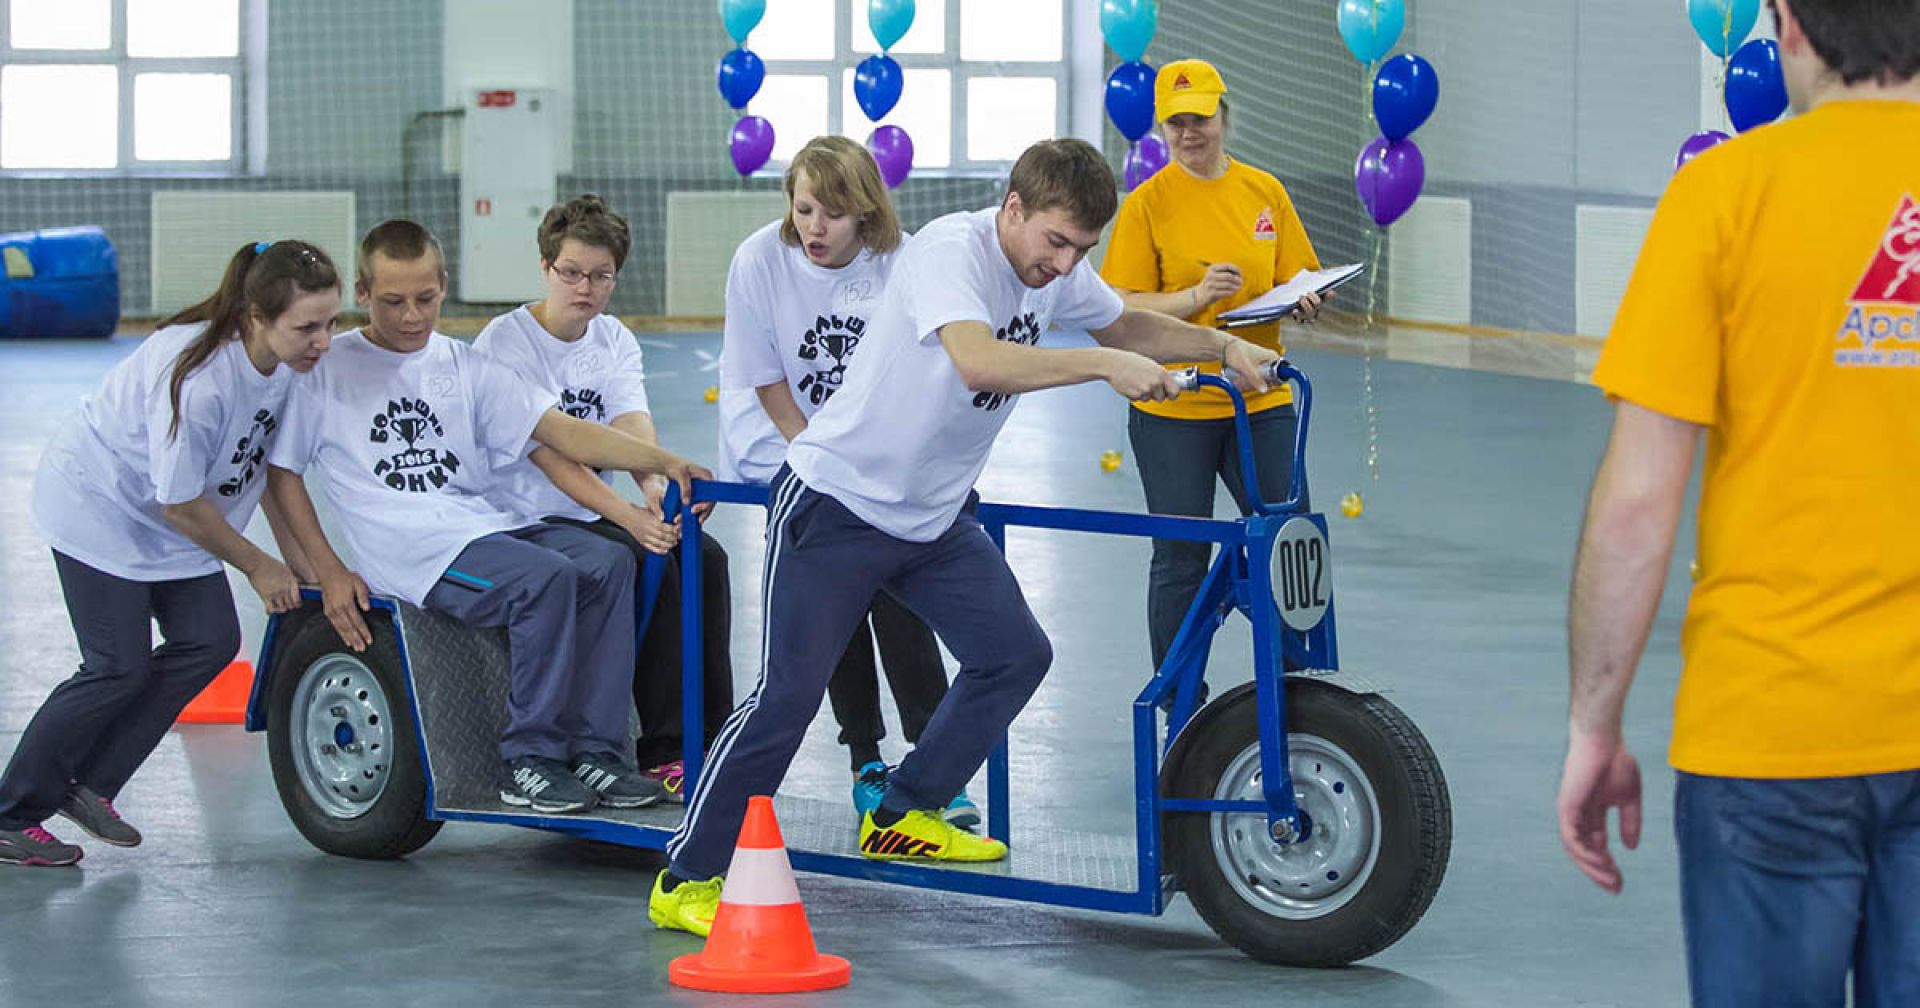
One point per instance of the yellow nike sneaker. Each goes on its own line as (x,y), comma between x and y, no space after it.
(689,907)
(924,835)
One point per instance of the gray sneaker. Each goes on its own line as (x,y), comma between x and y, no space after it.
(617,784)
(98,817)
(544,785)
(35,846)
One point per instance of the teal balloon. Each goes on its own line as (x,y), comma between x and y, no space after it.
(1128,26)
(1371,28)
(889,20)
(1723,24)
(742,16)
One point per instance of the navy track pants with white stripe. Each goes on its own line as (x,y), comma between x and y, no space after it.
(823,566)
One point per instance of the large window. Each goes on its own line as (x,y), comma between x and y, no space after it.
(983,78)
(121,86)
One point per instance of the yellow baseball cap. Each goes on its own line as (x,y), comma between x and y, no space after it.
(1188,86)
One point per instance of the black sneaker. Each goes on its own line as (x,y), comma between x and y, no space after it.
(544,785)
(617,784)
(35,846)
(98,817)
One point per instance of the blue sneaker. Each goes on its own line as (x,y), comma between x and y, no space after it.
(869,786)
(962,813)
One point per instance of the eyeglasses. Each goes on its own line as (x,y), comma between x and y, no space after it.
(572,276)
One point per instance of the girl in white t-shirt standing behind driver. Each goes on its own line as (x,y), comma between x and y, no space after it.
(142,498)
(799,293)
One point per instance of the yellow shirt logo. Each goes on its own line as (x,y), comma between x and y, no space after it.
(1263,225)
(1882,328)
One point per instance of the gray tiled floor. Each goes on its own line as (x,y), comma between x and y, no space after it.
(1451,590)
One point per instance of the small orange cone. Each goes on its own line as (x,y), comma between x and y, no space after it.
(224,701)
(761,943)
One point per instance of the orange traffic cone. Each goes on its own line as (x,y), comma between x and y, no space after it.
(761,943)
(224,701)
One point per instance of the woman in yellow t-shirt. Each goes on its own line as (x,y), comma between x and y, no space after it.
(1204,235)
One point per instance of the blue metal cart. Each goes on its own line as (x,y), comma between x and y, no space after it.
(1303,814)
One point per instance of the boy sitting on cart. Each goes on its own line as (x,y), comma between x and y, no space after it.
(410,428)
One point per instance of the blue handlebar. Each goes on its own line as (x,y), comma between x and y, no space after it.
(1275,373)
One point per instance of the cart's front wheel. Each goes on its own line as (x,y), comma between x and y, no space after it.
(1379,826)
(341,740)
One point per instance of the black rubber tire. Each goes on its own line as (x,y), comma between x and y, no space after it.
(397,824)
(1415,826)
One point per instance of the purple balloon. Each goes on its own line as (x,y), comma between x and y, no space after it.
(1697,144)
(1146,156)
(751,144)
(892,150)
(1388,177)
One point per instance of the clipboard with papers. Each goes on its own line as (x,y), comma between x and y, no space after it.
(1280,302)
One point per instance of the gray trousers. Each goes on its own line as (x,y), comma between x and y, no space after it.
(823,567)
(99,726)
(1179,460)
(565,597)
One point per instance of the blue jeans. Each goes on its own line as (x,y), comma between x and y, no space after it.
(1788,885)
(1179,462)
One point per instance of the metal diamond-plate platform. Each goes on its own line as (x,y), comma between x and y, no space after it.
(459,677)
(459,681)
(811,826)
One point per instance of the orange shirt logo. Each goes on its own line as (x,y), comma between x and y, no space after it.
(1263,225)
(1882,328)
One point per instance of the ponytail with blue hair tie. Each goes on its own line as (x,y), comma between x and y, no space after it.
(260,248)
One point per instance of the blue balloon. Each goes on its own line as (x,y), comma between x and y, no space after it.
(876,86)
(1128,25)
(740,74)
(1371,27)
(1723,24)
(741,16)
(889,20)
(1130,98)
(1404,93)
(1756,91)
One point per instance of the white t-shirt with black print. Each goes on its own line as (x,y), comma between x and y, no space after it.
(787,318)
(106,475)
(408,444)
(596,378)
(904,439)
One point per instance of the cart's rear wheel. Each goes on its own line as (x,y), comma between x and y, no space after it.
(340,736)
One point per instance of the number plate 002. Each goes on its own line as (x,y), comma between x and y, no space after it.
(1302,574)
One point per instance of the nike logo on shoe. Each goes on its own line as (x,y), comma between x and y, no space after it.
(890,841)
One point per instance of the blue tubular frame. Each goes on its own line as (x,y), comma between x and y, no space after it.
(1239,578)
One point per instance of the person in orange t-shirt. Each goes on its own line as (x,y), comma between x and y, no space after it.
(1776,306)
(1205,234)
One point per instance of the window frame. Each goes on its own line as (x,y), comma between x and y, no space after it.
(847,120)
(242,68)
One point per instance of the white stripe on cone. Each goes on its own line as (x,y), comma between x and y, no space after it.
(759,877)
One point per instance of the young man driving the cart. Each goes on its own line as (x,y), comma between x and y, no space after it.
(411,429)
(878,493)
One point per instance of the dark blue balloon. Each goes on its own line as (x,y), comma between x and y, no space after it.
(1404,93)
(740,74)
(876,85)
(1130,98)
(1756,92)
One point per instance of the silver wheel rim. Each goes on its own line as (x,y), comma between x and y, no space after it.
(1325,871)
(342,743)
